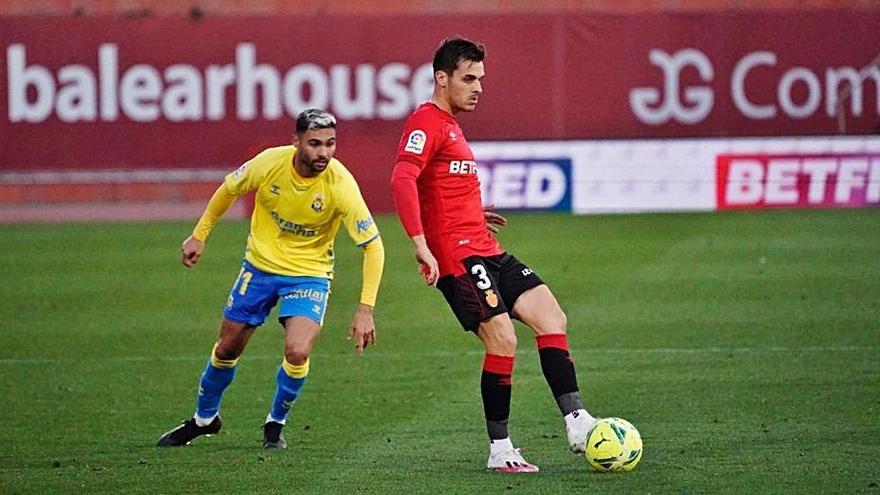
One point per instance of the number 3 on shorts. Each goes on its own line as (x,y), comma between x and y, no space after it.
(483,281)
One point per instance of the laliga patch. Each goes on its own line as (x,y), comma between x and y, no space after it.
(491,298)
(415,143)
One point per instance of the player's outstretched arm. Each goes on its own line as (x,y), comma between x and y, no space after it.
(193,246)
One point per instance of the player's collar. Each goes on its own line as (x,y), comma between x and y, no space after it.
(437,107)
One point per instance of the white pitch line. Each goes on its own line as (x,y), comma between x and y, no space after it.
(441,353)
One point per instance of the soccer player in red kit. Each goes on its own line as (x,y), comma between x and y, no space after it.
(437,196)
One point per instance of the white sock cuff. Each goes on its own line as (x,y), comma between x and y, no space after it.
(203,421)
(270,418)
(501,445)
(578,413)
(581,415)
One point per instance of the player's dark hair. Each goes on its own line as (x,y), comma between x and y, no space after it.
(454,50)
(314,118)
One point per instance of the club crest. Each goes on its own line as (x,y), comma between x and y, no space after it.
(491,298)
(318,203)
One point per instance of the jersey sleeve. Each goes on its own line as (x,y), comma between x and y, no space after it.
(249,176)
(421,138)
(217,206)
(405,194)
(355,214)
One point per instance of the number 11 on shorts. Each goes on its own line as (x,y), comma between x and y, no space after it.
(244,278)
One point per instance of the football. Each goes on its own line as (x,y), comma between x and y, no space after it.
(614,444)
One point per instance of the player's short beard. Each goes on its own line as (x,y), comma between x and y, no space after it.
(312,168)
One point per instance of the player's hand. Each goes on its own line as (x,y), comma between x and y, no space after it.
(191,251)
(363,331)
(428,265)
(493,219)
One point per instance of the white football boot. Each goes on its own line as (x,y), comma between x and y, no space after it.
(577,426)
(506,459)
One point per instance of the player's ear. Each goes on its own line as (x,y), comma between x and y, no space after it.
(441,78)
(296,139)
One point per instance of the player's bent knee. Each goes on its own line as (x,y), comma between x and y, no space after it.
(502,344)
(555,322)
(498,335)
(509,348)
(561,322)
(296,355)
(227,351)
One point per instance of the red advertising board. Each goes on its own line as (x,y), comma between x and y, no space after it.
(798,181)
(116,93)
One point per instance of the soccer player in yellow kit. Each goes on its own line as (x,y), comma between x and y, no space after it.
(303,195)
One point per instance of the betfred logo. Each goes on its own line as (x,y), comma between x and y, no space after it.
(462,167)
(798,181)
(535,184)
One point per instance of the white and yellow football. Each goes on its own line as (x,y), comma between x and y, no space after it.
(614,444)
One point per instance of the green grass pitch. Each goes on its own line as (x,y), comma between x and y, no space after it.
(744,346)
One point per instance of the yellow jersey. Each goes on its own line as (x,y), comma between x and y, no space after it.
(296,219)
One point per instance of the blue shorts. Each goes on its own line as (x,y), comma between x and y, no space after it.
(256,292)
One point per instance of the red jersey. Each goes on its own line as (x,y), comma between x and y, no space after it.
(434,152)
